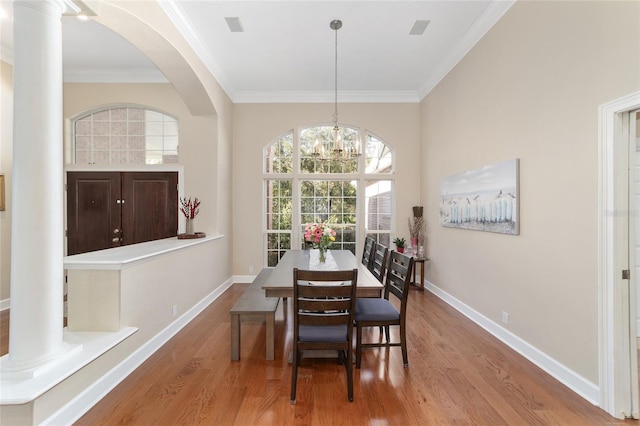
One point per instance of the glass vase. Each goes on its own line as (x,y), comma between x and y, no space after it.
(322,255)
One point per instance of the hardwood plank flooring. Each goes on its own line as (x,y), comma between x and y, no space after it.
(458,375)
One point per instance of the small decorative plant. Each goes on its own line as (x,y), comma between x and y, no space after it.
(399,242)
(190,209)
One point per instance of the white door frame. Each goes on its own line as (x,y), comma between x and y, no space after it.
(613,194)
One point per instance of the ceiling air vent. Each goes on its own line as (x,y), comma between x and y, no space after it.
(418,27)
(234,24)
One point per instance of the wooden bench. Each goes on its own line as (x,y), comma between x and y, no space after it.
(252,306)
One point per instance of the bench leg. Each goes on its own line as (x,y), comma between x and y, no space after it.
(271,336)
(235,337)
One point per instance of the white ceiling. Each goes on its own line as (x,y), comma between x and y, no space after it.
(286,52)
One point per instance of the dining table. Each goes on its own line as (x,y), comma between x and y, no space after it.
(280,281)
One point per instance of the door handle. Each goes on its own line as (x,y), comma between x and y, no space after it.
(115,240)
(115,231)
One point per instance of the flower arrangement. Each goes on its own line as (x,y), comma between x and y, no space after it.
(189,208)
(320,236)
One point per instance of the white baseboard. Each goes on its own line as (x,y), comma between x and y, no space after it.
(575,382)
(4,304)
(79,405)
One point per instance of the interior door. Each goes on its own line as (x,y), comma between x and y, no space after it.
(110,209)
(93,211)
(149,206)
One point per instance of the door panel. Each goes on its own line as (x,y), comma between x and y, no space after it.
(93,212)
(150,205)
(110,209)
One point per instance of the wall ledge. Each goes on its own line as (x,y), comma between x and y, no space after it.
(124,257)
(24,387)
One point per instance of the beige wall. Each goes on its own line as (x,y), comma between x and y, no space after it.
(530,89)
(6,154)
(256,125)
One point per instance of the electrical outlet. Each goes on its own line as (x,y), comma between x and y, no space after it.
(174,310)
(505,317)
(251,269)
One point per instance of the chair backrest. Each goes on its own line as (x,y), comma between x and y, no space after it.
(399,278)
(378,265)
(319,300)
(367,252)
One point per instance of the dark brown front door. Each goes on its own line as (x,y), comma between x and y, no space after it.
(109,209)
(93,215)
(150,209)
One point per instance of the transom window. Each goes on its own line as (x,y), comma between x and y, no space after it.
(353,195)
(125,135)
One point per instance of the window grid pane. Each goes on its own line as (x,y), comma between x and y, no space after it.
(278,220)
(279,155)
(378,211)
(378,157)
(333,202)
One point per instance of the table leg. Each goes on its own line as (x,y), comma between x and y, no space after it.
(235,337)
(271,336)
(414,284)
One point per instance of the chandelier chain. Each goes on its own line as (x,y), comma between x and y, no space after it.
(335,102)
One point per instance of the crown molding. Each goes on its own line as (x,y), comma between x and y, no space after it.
(113,75)
(327,97)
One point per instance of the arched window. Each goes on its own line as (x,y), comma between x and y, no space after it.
(125,135)
(353,193)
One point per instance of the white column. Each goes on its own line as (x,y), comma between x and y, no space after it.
(37,202)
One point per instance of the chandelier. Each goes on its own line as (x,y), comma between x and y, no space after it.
(337,149)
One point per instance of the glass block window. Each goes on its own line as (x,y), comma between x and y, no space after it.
(125,135)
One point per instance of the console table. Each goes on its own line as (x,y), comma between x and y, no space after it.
(418,261)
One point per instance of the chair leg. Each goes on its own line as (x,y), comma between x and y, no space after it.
(358,345)
(294,376)
(349,367)
(386,329)
(403,345)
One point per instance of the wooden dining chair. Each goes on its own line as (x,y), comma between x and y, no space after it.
(367,251)
(323,308)
(378,264)
(371,312)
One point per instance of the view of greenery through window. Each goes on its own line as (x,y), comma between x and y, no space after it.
(352,195)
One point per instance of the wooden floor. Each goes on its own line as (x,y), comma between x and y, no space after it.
(458,375)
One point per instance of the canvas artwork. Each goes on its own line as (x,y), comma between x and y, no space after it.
(485,199)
